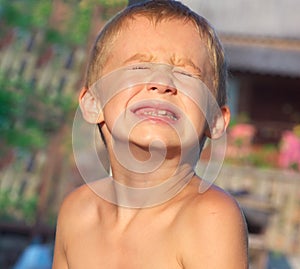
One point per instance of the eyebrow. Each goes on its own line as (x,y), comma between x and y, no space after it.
(183,62)
(139,56)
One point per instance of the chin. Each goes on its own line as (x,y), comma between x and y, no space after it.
(154,134)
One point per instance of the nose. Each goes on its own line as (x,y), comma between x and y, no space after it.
(162,89)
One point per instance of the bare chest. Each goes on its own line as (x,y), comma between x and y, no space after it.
(140,248)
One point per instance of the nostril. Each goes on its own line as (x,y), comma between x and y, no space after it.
(162,89)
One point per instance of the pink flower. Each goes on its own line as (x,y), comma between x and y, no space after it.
(289,154)
(242,134)
(242,131)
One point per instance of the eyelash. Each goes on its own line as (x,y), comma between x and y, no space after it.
(184,73)
(187,74)
(181,72)
(139,67)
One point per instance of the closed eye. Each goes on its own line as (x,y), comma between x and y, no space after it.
(186,74)
(139,67)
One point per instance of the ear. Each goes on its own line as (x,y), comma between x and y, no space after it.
(90,107)
(219,123)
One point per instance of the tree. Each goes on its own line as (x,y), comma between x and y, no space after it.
(32,119)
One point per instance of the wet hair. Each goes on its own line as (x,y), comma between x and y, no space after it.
(157,11)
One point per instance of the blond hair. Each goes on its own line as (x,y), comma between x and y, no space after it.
(157,11)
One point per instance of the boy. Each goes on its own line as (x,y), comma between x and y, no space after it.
(151,82)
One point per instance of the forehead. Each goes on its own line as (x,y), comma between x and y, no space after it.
(171,34)
(159,41)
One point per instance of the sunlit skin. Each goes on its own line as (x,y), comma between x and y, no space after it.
(192,230)
(155,45)
(160,45)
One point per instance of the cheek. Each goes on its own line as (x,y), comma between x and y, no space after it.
(195,113)
(116,106)
(197,118)
(113,110)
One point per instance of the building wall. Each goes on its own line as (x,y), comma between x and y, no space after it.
(274,18)
(269,102)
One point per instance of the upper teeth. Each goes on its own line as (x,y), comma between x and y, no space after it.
(160,113)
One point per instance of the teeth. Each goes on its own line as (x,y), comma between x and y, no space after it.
(160,113)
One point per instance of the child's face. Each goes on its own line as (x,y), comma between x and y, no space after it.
(172,42)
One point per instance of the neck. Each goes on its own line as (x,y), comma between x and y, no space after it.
(140,182)
(139,197)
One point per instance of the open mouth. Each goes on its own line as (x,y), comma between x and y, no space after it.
(156,111)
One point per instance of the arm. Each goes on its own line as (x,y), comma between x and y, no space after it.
(218,235)
(69,224)
(60,259)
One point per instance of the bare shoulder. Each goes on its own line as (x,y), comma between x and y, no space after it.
(77,200)
(214,231)
(215,202)
(70,217)
(78,208)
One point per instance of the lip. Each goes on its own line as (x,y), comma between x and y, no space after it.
(143,110)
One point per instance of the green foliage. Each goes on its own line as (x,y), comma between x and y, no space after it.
(28,116)
(264,156)
(33,15)
(103,3)
(53,36)
(78,26)
(40,12)
(14,208)
(25,14)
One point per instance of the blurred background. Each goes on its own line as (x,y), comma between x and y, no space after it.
(44,47)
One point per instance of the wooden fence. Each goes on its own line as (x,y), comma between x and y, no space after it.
(273,194)
(56,70)
(47,66)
